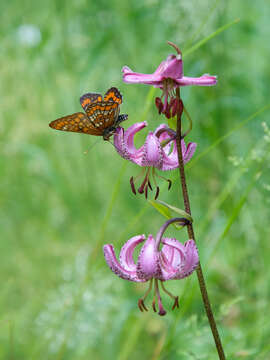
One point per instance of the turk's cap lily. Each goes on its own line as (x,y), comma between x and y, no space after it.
(174,261)
(159,149)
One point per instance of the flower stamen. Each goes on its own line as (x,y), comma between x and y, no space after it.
(175,298)
(141,304)
(162,311)
(131,180)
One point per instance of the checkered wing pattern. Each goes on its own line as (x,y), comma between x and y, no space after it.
(77,122)
(103,114)
(87,99)
(113,94)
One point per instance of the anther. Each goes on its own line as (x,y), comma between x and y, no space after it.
(131,180)
(157,193)
(141,305)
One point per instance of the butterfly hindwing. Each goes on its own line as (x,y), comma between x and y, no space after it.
(77,122)
(103,114)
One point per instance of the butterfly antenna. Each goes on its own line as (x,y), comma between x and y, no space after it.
(91,147)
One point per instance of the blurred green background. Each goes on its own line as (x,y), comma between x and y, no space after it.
(62,198)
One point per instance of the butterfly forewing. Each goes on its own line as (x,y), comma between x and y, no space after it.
(77,122)
(88,99)
(113,94)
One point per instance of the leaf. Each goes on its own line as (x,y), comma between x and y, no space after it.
(166,209)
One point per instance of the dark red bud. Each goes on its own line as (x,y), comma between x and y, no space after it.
(159,104)
(175,106)
(168,112)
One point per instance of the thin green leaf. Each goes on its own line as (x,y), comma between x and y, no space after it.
(209,37)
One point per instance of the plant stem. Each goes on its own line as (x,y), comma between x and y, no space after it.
(190,231)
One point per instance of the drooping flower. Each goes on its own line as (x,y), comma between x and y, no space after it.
(168,76)
(174,261)
(159,151)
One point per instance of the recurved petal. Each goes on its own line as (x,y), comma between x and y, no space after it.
(124,141)
(170,158)
(116,267)
(204,80)
(172,258)
(148,266)
(129,136)
(189,151)
(119,143)
(126,253)
(190,262)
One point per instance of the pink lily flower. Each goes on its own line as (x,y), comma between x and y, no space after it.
(159,151)
(168,76)
(174,261)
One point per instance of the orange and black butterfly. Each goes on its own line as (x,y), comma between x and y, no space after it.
(102,115)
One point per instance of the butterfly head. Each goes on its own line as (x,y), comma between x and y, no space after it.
(108,132)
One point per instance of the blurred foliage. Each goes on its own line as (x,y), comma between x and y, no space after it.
(59,204)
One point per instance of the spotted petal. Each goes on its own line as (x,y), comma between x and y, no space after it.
(190,260)
(148,266)
(116,267)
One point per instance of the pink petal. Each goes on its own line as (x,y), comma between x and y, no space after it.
(124,140)
(116,267)
(119,143)
(187,155)
(173,259)
(205,80)
(170,161)
(132,77)
(126,253)
(172,67)
(129,136)
(153,154)
(148,266)
(164,135)
(191,259)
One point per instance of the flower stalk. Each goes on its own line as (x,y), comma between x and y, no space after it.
(191,235)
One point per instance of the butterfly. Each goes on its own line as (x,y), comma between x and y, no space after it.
(101,117)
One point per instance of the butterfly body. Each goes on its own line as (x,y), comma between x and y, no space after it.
(101,117)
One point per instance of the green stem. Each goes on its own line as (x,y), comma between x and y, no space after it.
(190,231)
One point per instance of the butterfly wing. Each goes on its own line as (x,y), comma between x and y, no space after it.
(77,122)
(113,95)
(103,114)
(88,99)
